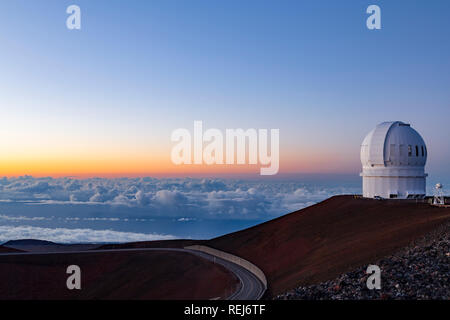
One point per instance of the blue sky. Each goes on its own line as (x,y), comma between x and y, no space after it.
(139,69)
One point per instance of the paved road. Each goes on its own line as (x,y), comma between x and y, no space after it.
(250,287)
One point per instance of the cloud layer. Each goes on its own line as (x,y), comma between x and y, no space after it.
(63,235)
(182,197)
(94,210)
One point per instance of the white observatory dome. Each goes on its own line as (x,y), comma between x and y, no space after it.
(393,157)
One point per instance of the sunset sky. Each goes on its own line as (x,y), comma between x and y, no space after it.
(103,101)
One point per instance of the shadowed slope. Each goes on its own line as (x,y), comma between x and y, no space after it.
(35,245)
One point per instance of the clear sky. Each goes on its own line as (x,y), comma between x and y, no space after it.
(103,101)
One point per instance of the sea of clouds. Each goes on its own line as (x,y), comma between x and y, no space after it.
(125,199)
(175,196)
(77,235)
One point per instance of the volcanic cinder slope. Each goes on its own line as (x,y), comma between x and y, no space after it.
(115,275)
(322,241)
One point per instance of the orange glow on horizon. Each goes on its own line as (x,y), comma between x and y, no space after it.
(136,163)
(157,166)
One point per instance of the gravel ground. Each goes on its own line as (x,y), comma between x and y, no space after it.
(420,271)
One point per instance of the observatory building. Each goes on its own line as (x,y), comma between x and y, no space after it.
(393,157)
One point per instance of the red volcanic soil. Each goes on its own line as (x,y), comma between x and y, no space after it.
(115,275)
(322,241)
(8,250)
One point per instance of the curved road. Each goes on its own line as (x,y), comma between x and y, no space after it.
(250,287)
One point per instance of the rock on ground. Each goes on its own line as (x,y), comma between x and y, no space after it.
(420,271)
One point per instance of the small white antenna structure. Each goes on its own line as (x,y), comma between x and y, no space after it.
(438,194)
